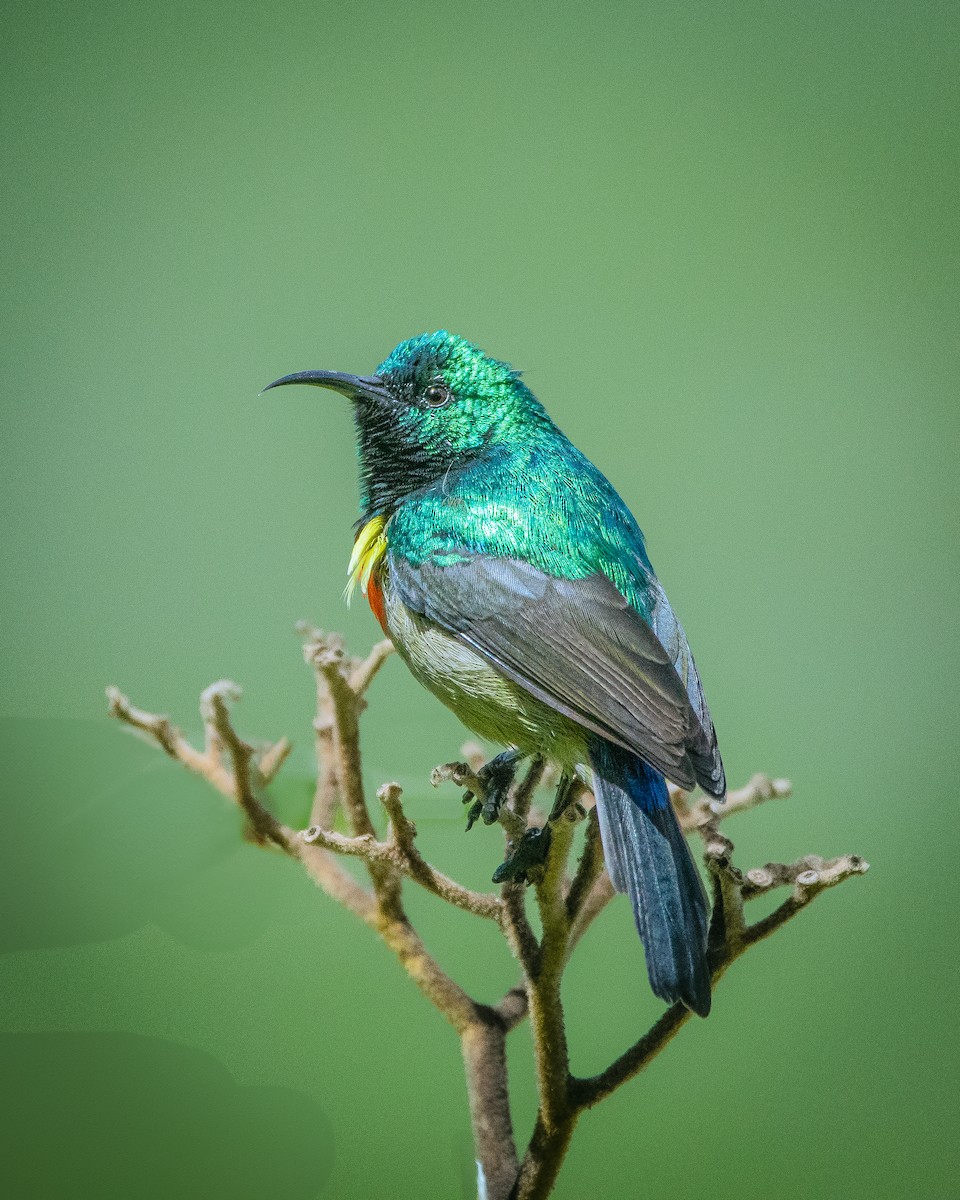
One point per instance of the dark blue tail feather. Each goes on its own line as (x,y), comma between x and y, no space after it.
(648,858)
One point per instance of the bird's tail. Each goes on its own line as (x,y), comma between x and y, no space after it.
(648,858)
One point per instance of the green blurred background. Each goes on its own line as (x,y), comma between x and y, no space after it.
(721,241)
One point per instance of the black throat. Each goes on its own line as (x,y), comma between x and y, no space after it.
(391,466)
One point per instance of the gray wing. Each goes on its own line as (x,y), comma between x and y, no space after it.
(578,646)
(670,634)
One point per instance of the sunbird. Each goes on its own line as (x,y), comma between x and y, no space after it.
(515,584)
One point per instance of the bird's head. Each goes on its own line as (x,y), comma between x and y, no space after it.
(436,403)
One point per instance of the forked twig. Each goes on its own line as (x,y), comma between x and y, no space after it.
(538,851)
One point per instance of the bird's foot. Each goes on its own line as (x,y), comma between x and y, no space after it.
(497,778)
(526,856)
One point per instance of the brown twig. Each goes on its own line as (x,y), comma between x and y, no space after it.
(708,809)
(588,870)
(262,826)
(567,907)
(810,876)
(401,853)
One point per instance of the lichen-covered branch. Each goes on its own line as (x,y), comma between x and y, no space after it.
(538,852)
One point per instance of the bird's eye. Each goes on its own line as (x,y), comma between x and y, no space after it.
(436,395)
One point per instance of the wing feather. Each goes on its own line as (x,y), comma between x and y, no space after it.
(577,645)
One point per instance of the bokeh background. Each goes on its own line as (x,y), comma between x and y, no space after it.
(721,241)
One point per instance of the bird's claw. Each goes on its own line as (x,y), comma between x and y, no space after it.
(475,809)
(527,855)
(497,777)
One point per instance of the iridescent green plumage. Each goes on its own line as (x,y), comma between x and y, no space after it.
(506,482)
(516,585)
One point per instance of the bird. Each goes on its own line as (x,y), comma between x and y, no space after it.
(515,584)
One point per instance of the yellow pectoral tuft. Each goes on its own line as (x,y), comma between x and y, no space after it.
(368,549)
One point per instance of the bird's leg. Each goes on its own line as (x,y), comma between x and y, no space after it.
(497,777)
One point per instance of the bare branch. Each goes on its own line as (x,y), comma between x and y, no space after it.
(588,869)
(321,866)
(159,730)
(363,675)
(460,773)
(513,1007)
(543,986)
(814,877)
(401,854)
(273,758)
(585,1093)
(339,884)
(597,900)
(326,795)
(591,890)
(403,833)
(517,929)
(523,792)
(808,871)
(708,809)
(484,1048)
(544,1157)
(387,916)
(730,938)
(340,683)
(365,846)
(239,784)
(327,658)
(727,924)
(538,852)
(261,823)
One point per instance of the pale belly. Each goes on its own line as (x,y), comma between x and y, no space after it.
(485,701)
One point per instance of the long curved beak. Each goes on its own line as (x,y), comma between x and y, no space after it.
(354,387)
